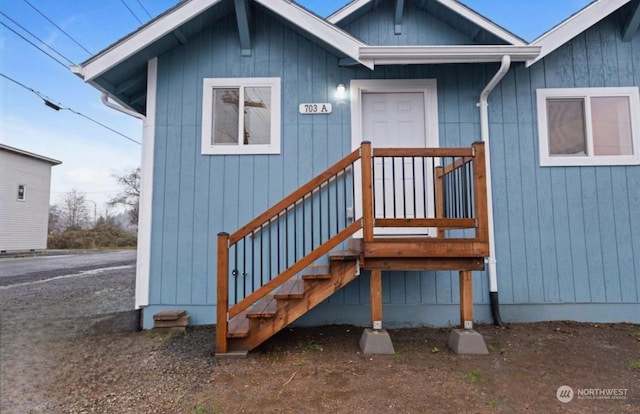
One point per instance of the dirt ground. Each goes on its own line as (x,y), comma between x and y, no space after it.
(57,358)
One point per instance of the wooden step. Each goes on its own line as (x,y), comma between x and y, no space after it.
(341,255)
(239,326)
(292,289)
(320,272)
(264,308)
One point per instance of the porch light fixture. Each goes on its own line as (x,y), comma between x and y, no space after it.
(341,91)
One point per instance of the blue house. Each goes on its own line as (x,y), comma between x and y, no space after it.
(489,165)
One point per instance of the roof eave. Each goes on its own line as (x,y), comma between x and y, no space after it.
(405,55)
(138,40)
(186,11)
(573,26)
(29,154)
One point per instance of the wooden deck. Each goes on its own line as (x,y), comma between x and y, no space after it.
(268,269)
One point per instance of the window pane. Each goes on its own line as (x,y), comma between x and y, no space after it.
(257,115)
(565,119)
(611,120)
(225,116)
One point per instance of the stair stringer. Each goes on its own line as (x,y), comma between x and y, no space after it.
(288,310)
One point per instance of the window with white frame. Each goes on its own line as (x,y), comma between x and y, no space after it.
(241,116)
(589,126)
(22,192)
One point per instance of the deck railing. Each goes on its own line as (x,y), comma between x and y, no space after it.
(431,190)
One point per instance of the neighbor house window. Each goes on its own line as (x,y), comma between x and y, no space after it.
(589,126)
(22,192)
(241,116)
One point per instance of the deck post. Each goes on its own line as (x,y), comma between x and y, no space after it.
(376,299)
(367,191)
(480,193)
(222,327)
(466,299)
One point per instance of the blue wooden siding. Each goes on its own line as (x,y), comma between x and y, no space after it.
(419,27)
(564,235)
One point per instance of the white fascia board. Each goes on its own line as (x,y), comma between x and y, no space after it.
(573,26)
(403,55)
(347,10)
(483,22)
(141,39)
(317,26)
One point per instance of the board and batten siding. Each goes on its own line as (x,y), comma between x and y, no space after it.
(23,224)
(565,235)
(545,254)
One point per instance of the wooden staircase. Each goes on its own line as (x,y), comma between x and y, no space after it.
(291,300)
(267,273)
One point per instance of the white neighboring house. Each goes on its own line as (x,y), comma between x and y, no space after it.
(25,187)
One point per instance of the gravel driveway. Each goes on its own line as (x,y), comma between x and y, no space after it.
(67,347)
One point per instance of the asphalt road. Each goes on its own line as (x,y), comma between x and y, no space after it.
(31,269)
(48,306)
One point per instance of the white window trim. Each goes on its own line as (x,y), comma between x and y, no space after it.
(207,116)
(589,160)
(24,193)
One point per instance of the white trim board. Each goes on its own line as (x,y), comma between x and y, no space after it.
(143,267)
(574,25)
(428,87)
(187,10)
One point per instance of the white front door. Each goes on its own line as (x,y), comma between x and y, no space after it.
(403,119)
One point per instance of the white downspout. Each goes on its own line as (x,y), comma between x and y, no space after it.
(484,135)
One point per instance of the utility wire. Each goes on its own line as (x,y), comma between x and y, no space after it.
(131,11)
(143,8)
(58,27)
(58,106)
(36,37)
(36,46)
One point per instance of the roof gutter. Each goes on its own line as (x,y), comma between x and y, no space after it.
(484,134)
(127,111)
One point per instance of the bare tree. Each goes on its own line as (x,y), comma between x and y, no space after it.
(129,197)
(74,210)
(55,219)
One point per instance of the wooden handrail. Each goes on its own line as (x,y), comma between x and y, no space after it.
(302,199)
(459,162)
(259,221)
(423,152)
(297,267)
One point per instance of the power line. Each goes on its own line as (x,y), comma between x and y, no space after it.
(36,46)
(131,11)
(36,37)
(143,8)
(58,27)
(59,106)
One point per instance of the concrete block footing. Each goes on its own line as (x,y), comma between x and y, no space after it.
(376,341)
(467,342)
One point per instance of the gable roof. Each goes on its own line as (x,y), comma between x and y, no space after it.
(453,5)
(29,154)
(120,69)
(185,11)
(574,25)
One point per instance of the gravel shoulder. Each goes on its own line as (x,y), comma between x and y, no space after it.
(61,352)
